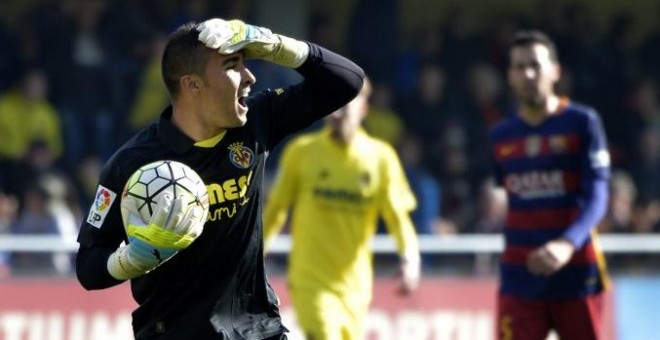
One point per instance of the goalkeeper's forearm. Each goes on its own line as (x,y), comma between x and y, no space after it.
(91,267)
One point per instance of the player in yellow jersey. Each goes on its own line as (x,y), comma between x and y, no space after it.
(339,181)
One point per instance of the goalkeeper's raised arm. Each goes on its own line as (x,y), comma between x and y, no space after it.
(330,80)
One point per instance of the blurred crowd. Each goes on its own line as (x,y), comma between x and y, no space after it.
(80,76)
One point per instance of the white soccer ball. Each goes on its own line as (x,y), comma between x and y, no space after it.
(148,184)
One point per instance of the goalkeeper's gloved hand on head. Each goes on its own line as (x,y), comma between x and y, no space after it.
(170,229)
(257,42)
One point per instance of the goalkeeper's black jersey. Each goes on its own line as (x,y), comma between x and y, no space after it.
(216,288)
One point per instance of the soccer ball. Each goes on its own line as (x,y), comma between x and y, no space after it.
(148,184)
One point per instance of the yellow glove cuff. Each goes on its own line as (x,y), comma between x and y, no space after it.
(290,52)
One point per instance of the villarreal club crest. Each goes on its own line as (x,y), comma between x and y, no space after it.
(241,156)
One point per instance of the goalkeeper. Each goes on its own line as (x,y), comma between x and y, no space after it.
(339,181)
(196,277)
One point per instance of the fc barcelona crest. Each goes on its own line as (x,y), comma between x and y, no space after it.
(241,156)
(533,146)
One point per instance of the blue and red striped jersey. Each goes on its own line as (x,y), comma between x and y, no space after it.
(551,173)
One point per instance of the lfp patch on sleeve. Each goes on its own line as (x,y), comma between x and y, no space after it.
(101,205)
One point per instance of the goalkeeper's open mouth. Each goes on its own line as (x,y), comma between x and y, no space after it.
(242,99)
(241,102)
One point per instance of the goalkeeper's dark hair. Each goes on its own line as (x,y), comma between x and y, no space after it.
(529,37)
(183,54)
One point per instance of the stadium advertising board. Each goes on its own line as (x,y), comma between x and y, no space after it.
(59,309)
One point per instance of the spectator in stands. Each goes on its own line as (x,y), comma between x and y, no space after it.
(621,204)
(641,110)
(463,46)
(86,178)
(45,212)
(455,173)
(90,93)
(424,109)
(646,169)
(646,216)
(489,218)
(151,95)
(26,118)
(491,211)
(383,121)
(39,161)
(426,188)
(630,212)
(485,106)
(427,217)
(425,48)
(8,213)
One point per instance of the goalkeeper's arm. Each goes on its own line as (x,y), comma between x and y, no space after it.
(91,267)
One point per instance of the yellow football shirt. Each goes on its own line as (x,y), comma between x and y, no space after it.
(337,192)
(23,122)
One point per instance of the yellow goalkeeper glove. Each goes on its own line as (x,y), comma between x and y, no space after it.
(258,42)
(172,227)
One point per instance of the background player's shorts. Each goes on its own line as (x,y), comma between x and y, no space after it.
(532,319)
(327,316)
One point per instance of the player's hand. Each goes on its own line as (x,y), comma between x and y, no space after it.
(409,272)
(257,42)
(231,36)
(551,257)
(171,228)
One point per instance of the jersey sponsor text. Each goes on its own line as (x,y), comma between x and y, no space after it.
(536,184)
(226,194)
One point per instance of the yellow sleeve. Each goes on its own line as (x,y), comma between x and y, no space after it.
(281,196)
(397,201)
